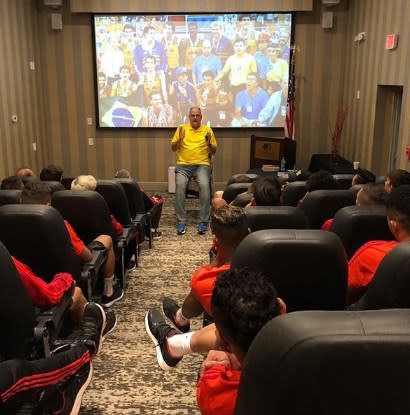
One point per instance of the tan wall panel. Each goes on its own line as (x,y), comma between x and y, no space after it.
(55,100)
(20,90)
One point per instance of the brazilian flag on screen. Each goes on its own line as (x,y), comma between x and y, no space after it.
(120,113)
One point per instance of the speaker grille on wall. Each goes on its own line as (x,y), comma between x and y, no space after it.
(330,2)
(327,20)
(56,21)
(53,3)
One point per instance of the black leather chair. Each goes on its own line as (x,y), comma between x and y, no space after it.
(307,267)
(275,217)
(355,188)
(344,181)
(233,190)
(16,311)
(293,192)
(9,196)
(136,207)
(356,225)
(116,198)
(55,186)
(329,363)
(66,181)
(390,287)
(251,178)
(36,235)
(88,213)
(321,205)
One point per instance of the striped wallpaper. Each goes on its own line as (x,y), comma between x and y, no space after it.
(54,101)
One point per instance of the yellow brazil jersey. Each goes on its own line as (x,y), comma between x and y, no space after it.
(194,149)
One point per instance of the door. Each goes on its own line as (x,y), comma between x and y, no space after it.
(386,128)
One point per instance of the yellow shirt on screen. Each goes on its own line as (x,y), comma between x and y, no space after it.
(194,149)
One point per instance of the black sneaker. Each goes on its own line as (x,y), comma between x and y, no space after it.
(156,235)
(108,301)
(159,331)
(111,323)
(65,398)
(92,324)
(131,264)
(170,308)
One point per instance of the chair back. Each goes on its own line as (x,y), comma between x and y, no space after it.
(10,196)
(134,196)
(328,363)
(307,267)
(251,178)
(66,181)
(16,311)
(233,190)
(293,192)
(275,217)
(356,187)
(344,181)
(116,198)
(37,236)
(55,186)
(356,225)
(390,287)
(86,211)
(321,205)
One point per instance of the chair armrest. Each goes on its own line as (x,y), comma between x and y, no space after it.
(48,323)
(91,268)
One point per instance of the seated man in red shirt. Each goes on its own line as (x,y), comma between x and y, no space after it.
(364,263)
(229,226)
(243,301)
(40,193)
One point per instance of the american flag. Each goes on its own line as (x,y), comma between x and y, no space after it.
(290,106)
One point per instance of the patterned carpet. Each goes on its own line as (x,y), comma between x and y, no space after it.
(127,378)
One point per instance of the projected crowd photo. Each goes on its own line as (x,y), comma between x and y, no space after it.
(151,69)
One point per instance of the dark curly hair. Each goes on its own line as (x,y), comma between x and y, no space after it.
(229,224)
(399,177)
(321,180)
(51,173)
(398,205)
(243,301)
(266,191)
(36,193)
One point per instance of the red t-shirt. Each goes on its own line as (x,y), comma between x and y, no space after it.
(363,265)
(43,295)
(217,390)
(203,282)
(327,224)
(76,242)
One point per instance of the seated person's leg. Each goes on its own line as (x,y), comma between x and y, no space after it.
(181,316)
(182,176)
(111,293)
(203,177)
(173,345)
(22,380)
(79,302)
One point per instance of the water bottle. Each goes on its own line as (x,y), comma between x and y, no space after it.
(283,164)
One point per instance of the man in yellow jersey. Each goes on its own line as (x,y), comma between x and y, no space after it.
(195,144)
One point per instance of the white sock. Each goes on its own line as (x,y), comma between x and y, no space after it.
(180,318)
(108,286)
(179,345)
